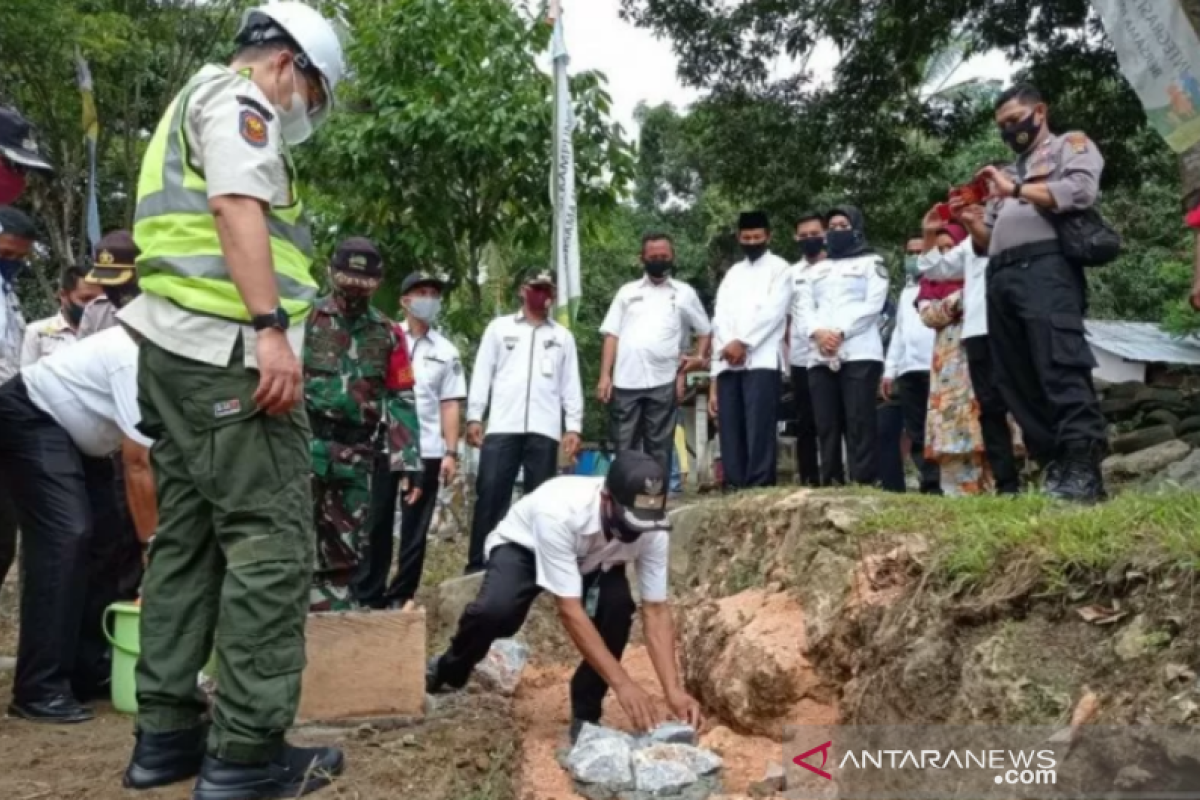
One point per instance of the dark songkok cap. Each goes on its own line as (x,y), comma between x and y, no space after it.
(753,220)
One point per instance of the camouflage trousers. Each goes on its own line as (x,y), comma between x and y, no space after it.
(341,490)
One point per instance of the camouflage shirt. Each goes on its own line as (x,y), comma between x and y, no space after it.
(346,384)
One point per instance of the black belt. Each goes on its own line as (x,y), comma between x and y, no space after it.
(347,433)
(1024,252)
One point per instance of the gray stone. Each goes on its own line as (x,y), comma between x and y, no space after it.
(660,775)
(1118,409)
(501,670)
(1189,425)
(1145,463)
(591,733)
(7,664)
(1182,474)
(1162,417)
(696,759)
(1124,389)
(1141,439)
(455,595)
(604,761)
(670,733)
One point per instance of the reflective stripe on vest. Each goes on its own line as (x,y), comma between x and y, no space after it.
(181,257)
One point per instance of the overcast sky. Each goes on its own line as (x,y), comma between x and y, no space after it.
(639,67)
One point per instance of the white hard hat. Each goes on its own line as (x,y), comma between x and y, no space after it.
(316,37)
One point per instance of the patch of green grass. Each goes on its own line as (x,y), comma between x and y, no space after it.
(971,535)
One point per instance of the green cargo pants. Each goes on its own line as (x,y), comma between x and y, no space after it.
(232,556)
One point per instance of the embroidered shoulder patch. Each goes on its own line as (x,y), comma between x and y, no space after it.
(1078,143)
(253,128)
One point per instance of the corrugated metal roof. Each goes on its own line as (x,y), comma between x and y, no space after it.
(1142,341)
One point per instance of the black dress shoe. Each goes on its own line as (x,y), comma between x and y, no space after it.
(294,772)
(160,759)
(61,710)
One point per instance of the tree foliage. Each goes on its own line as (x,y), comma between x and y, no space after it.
(445,153)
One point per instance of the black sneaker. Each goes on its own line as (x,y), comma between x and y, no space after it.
(1053,476)
(60,710)
(160,759)
(294,772)
(434,682)
(1079,481)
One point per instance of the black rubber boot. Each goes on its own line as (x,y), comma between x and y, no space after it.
(1079,477)
(294,772)
(160,759)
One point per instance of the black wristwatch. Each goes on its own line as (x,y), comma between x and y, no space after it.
(1016,192)
(277,319)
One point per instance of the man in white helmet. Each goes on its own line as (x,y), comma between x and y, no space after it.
(225,275)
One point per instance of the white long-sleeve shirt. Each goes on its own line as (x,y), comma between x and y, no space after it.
(800,346)
(911,348)
(846,295)
(529,376)
(961,263)
(752,307)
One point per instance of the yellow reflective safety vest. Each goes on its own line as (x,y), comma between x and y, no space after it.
(181,257)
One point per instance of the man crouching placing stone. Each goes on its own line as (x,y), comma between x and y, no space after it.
(572,537)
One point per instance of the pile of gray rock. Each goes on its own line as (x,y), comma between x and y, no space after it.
(664,764)
(1152,430)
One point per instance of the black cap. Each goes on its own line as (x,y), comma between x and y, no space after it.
(357,262)
(17,143)
(539,277)
(753,220)
(116,255)
(637,484)
(416,279)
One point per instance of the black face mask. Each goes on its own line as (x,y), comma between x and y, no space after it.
(354,304)
(657,269)
(74,313)
(813,246)
(1021,135)
(841,243)
(754,251)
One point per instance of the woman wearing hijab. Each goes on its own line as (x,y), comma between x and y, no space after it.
(953,439)
(841,299)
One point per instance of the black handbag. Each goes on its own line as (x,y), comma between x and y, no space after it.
(1086,238)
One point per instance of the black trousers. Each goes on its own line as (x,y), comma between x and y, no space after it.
(501,458)
(644,419)
(66,506)
(748,413)
(913,391)
(993,416)
(498,612)
(414,533)
(807,459)
(891,434)
(844,406)
(1042,360)
(8,533)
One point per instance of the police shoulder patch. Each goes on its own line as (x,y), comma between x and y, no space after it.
(1078,142)
(253,128)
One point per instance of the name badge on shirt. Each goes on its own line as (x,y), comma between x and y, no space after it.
(510,342)
(547,366)
(637,298)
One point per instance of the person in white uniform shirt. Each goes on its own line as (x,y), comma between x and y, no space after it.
(573,538)
(644,338)
(526,382)
(810,238)
(17,235)
(842,298)
(906,370)
(441,388)
(964,260)
(60,420)
(52,333)
(749,323)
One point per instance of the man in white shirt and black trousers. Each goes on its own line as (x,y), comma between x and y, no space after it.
(644,335)
(749,323)
(573,538)
(60,420)
(526,381)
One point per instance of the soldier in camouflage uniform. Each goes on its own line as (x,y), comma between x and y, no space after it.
(358,386)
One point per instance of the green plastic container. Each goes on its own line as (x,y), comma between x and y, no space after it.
(121,628)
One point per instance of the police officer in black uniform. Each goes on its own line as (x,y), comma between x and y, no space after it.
(1036,298)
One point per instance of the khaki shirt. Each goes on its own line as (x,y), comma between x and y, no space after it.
(1070,165)
(235,139)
